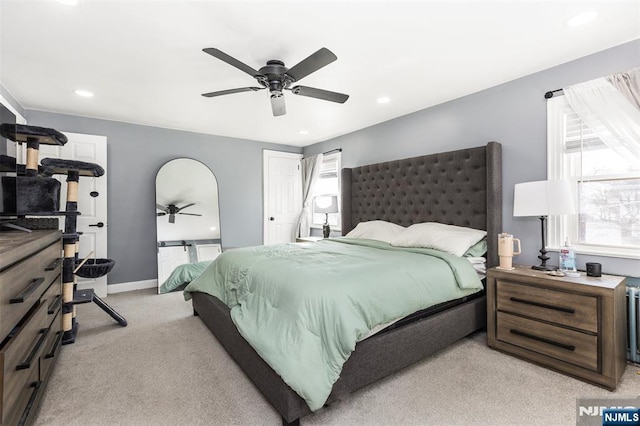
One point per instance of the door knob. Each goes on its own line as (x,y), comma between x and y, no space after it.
(99,224)
(272,218)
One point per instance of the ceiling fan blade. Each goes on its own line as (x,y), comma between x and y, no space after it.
(231,91)
(311,64)
(184,207)
(172,218)
(231,61)
(160,214)
(325,95)
(161,207)
(277,105)
(191,214)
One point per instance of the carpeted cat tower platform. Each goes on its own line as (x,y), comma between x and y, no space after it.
(36,193)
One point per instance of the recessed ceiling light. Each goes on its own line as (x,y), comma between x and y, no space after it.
(213,228)
(384,100)
(84,93)
(303,132)
(581,19)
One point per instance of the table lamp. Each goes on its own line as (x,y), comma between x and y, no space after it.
(326,204)
(543,198)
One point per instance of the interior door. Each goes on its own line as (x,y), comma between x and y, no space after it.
(168,259)
(92,199)
(282,196)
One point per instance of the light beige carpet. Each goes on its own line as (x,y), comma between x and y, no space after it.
(166,368)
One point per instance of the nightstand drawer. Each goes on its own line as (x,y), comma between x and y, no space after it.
(560,343)
(569,309)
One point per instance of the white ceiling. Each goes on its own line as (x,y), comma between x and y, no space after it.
(144,60)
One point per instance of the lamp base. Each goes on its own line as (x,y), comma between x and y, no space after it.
(543,251)
(544,267)
(326,230)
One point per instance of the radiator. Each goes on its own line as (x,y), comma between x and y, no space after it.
(633,348)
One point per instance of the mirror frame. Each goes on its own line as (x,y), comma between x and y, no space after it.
(174,185)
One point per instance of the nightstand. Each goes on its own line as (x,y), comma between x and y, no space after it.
(576,326)
(307,239)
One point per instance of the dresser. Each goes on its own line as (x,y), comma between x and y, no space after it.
(574,325)
(30,319)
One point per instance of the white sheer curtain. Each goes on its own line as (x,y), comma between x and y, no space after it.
(609,106)
(310,168)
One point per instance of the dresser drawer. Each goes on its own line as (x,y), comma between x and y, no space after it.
(20,357)
(52,346)
(569,309)
(22,284)
(26,393)
(570,346)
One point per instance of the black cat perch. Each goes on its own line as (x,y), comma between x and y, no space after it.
(34,192)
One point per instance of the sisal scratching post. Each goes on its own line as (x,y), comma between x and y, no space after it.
(33,149)
(67,283)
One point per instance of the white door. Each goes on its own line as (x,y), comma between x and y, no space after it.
(282,196)
(169,258)
(92,199)
(208,251)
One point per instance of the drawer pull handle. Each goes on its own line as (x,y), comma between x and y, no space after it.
(32,401)
(56,344)
(53,265)
(24,295)
(55,305)
(27,363)
(543,305)
(543,340)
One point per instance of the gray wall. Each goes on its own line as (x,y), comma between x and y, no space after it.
(10,100)
(135,154)
(513,114)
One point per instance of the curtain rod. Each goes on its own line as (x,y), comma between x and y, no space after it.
(551,94)
(331,151)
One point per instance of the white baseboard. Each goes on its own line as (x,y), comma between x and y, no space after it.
(135,285)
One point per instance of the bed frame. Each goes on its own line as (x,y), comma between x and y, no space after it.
(461,188)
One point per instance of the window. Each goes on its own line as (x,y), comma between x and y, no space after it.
(608,187)
(328,184)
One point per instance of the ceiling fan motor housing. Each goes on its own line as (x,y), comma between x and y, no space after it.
(273,76)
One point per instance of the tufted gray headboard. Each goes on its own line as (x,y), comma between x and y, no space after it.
(461,188)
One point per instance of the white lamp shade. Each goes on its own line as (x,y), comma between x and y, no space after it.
(326,204)
(543,198)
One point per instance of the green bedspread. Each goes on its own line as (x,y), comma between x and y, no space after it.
(303,307)
(183,274)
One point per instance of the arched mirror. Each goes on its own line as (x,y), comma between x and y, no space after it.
(187,222)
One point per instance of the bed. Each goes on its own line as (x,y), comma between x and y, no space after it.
(461,188)
(183,275)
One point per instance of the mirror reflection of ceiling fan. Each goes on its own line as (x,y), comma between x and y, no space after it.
(172,210)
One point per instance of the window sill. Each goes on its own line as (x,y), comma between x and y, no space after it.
(604,252)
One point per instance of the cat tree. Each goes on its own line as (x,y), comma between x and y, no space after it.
(36,194)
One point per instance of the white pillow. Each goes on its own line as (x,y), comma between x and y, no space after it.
(448,238)
(376,230)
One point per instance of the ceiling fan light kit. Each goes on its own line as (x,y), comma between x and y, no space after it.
(276,77)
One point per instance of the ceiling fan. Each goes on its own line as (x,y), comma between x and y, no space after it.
(172,210)
(276,77)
